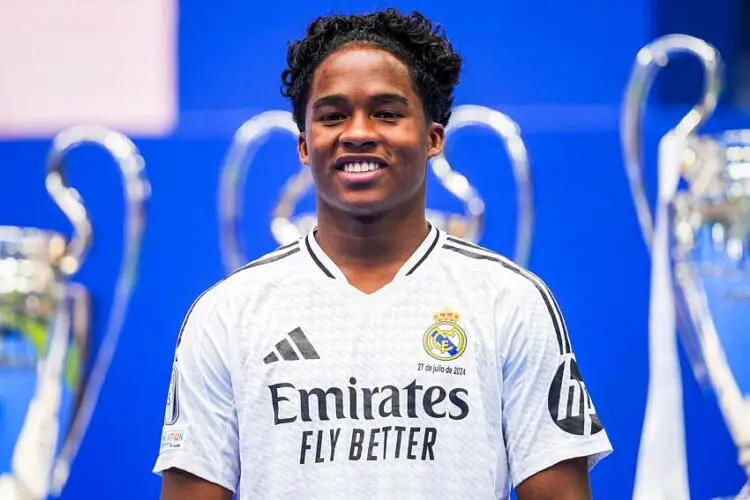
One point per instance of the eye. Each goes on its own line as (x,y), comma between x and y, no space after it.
(388,115)
(332,117)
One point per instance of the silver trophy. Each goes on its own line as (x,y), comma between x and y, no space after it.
(705,193)
(286,226)
(47,396)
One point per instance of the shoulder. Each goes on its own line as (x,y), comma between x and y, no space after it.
(519,290)
(249,280)
(516,289)
(493,268)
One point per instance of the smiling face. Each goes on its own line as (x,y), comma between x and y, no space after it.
(366,138)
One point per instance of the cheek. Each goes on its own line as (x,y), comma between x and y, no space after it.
(319,151)
(413,150)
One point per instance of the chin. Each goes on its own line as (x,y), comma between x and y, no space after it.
(362,208)
(362,205)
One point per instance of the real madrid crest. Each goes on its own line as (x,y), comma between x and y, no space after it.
(444,339)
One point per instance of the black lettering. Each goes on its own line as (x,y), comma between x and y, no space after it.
(430,402)
(460,403)
(353,399)
(398,430)
(368,402)
(304,397)
(355,451)
(569,402)
(411,391)
(430,436)
(393,399)
(334,438)
(385,440)
(305,446)
(373,444)
(573,391)
(318,458)
(275,400)
(419,402)
(412,443)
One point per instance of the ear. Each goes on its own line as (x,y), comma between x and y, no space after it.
(435,139)
(302,149)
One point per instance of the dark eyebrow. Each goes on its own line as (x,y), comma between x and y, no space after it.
(388,98)
(339,99)
(329,100)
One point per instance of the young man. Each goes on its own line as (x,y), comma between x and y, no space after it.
(378,357)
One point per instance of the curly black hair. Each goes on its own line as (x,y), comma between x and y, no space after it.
(433,63)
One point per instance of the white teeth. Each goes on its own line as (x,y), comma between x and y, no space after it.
(363,166)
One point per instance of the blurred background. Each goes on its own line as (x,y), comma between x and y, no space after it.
(180,77)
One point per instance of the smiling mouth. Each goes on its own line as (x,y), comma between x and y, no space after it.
(356,167)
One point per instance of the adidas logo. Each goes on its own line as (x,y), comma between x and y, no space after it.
(285,350)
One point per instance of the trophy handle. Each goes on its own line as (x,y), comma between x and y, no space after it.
(137,191)
(282,228)
(247,139)
(509,133)
(649,60)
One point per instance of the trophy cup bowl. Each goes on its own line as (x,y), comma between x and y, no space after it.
(710,247)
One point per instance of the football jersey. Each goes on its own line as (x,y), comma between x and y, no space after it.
(455,380)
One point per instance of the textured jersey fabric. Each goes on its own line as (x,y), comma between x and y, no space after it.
(456,380)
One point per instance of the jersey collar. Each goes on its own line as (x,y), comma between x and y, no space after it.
(327,267)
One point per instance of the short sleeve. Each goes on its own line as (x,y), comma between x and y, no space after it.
(548,413)
(200,432)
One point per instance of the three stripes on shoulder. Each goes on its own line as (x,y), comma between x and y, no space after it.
(477,252)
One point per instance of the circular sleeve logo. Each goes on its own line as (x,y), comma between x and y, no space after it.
(569,402)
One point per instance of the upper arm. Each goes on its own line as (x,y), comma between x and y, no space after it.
(567,480)
(200,434)
(181,485)
(548,414)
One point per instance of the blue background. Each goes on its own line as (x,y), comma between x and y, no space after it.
(557,68)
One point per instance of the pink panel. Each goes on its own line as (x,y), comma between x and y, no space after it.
(65,62)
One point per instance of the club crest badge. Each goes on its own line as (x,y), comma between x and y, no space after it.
(445,340)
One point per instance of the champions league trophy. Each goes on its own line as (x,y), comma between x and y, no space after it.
(287,227)
(46,399)
(700,246)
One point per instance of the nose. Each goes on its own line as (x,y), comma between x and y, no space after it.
(359,133)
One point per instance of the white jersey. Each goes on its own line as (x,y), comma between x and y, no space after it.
(455,380)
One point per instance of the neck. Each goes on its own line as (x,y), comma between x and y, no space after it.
(385,240)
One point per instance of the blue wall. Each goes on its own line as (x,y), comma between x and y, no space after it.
(558,69)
